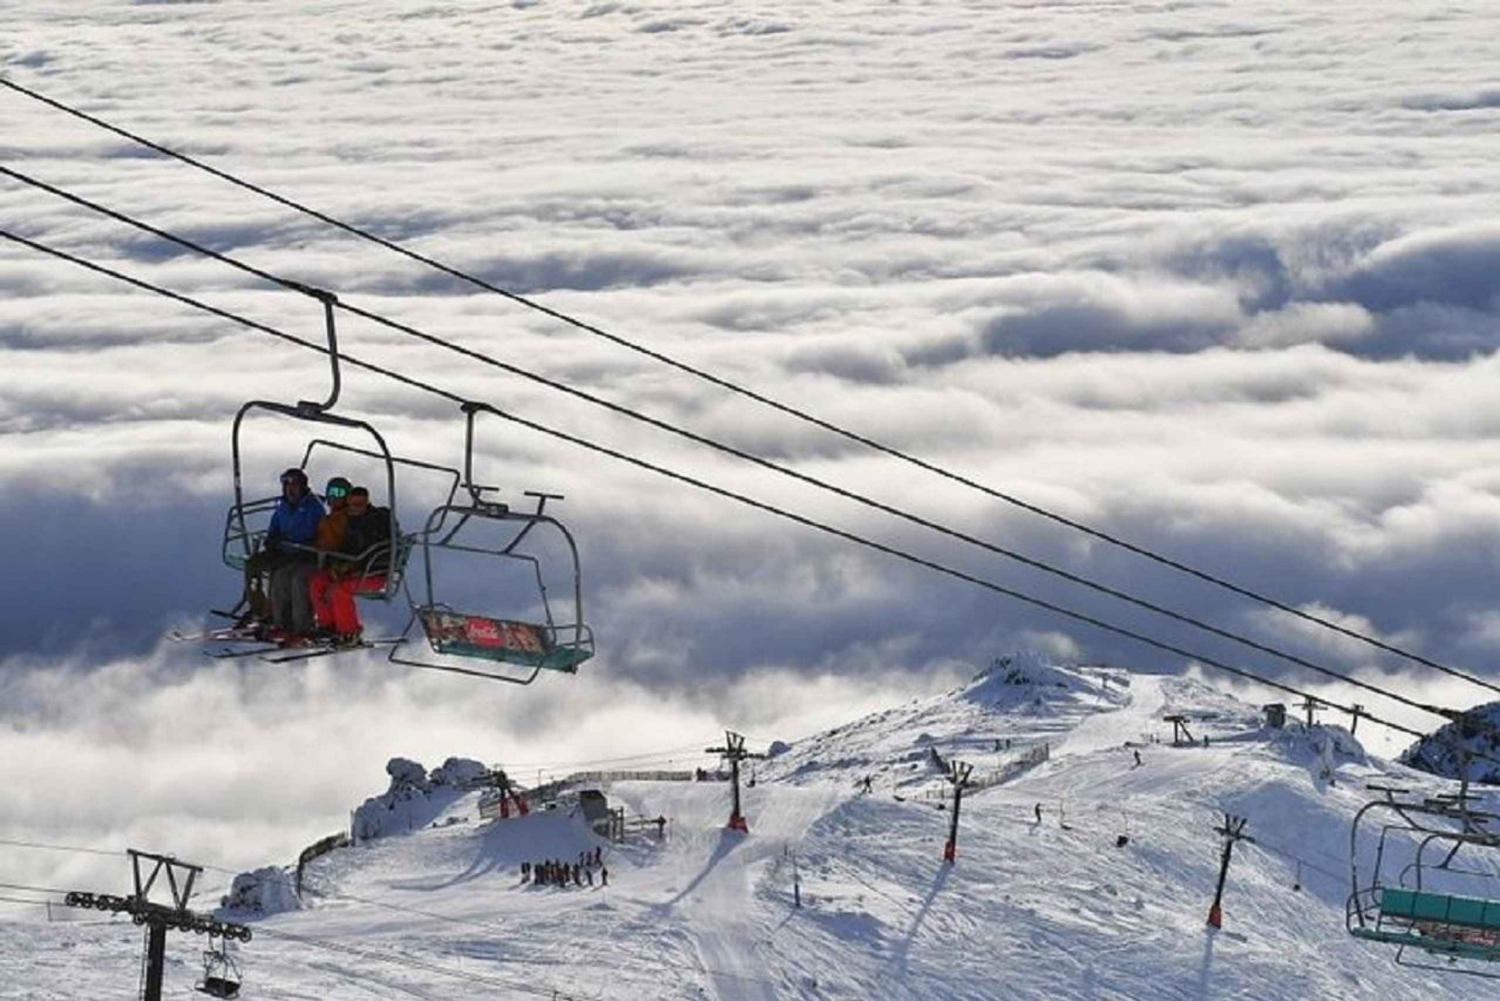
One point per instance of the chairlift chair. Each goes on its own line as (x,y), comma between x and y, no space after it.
(1418,914)
(221,975)
(247,522)
(465,635)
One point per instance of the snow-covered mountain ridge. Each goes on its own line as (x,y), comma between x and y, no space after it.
(1478,733)
(1104,897)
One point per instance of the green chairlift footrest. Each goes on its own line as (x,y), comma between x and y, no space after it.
(1455,926)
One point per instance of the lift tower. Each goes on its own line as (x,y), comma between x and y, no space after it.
(159,918)
(734,751)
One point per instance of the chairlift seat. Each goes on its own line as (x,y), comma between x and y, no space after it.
(504,640)
(1470,912)
(219,987)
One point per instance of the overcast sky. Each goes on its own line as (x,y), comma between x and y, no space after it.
(1217,278)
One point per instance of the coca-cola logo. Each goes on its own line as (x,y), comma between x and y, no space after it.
(483,632)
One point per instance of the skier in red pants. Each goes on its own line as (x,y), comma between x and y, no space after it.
(367,535)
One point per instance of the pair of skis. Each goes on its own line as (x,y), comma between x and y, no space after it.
(271,653)
(286,655)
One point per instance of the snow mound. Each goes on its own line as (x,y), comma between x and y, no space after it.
(414,798)
(1322,749)
(457,772)
(1030,681)
(268,890)
(1005,715)
(1478,733)
(1203,703)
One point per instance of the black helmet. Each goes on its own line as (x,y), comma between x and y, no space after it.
(294,475)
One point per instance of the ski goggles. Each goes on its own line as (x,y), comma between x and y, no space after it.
(334,493)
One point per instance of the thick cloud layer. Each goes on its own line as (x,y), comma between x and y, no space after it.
(1217,281)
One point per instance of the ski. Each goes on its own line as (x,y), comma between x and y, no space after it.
(229,634)
(230,653)
(293,654)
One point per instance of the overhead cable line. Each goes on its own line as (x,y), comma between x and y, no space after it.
(19,900)
(1304,863)
(758,397)
(57,848)
(731,450)
(578,765)
(744,499)
(32,889)
(282,877)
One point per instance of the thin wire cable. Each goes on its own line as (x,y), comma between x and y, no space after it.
(741,498)
(57,848)
(758,397)
(551,765)
(1306,864)
(33,889)
(283,877)
(32,903)
(635,415)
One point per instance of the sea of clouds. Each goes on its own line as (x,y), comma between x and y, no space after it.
(1219,279)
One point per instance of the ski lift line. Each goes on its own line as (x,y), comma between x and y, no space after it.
(703,440)
(758,397)
(738,453)
(33,889)
(640,463)
(234,872)
(57,848)
(1339,877)
(749,502)
(29,903)
(666,752)
(646,756)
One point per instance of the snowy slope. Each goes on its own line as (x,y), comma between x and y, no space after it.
(1055,909)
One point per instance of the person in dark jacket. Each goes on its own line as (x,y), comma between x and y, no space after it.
(366,552)
(293,530)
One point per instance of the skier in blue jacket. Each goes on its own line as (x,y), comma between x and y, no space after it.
(294,523)
(297,513)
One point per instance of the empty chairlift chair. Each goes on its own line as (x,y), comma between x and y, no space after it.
(221,976)
(1443,904)
(455,635)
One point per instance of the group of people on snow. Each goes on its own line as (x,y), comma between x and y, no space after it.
(316,560)
(556,872)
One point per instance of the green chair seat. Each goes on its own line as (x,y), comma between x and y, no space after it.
(521,643)
(1413,905)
